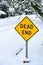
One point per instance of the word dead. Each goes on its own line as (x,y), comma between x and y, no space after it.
(25,26)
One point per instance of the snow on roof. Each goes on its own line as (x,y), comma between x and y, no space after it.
(2,12)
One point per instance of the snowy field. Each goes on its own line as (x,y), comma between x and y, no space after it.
(11,42)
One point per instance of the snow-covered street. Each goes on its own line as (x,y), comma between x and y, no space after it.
(11,42)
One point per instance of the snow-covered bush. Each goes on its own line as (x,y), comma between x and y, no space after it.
(11,11)
(2,14)
(5,8)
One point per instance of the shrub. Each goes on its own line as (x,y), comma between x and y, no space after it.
(5,9)
(3,16)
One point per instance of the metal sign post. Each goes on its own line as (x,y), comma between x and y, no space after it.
(26,49)
(26,61)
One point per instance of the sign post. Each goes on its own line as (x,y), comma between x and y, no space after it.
(26,49)
(27,29)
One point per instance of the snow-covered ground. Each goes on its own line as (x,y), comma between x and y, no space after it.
(11,42)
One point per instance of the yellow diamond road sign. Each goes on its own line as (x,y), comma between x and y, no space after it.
(26,28)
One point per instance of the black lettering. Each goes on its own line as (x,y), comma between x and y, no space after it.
(28,26)
(23,32)
(26,32)
(31,26)
(21,25)
(29,32)
(25,26)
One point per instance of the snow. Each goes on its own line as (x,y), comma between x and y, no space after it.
(11,9)
(42,2)
(16,5)
(2,12)
(11,42)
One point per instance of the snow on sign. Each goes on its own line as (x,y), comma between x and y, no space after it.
(26,28)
